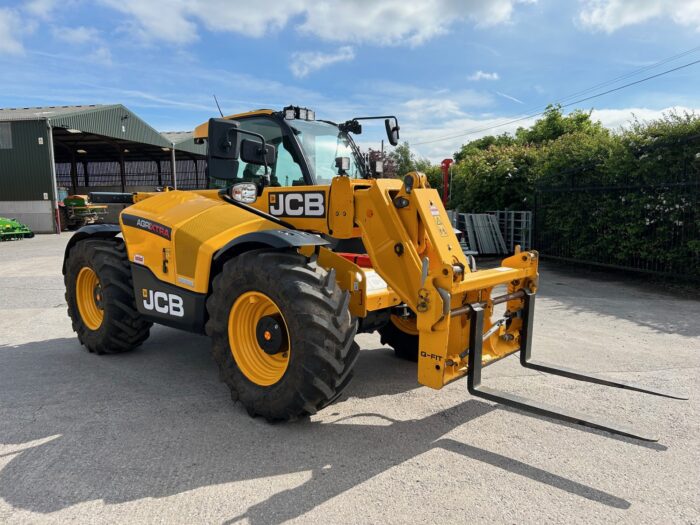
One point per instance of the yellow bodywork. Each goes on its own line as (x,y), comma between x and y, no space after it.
(413,249)
(200,223)
(202,131)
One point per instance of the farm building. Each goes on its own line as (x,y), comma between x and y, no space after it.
(47,152)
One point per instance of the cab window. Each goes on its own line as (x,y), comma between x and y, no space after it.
(285,172)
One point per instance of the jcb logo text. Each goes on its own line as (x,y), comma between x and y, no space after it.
(164,303)
(297,204)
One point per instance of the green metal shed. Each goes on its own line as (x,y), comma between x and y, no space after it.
(82,149)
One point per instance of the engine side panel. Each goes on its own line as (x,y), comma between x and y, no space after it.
(175,235)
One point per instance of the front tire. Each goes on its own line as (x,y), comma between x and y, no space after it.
(305,359)
(100,297)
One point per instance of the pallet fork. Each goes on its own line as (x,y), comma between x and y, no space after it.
(476,314)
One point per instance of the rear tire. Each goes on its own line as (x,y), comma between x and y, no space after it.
(111,324)
(319,331)
(405,344)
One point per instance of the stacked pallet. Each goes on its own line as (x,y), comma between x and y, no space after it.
(482,235)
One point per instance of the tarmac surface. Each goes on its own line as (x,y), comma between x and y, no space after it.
(152,435)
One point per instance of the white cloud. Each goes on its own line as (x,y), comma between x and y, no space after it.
(617,118)
(90,41)
(611,15)
(102,55)
(509,97)
(483,75)
(253,19)
(305,62)
(10,42)
(76,35)
(390,22)
(159,19)
(396,21)
(438,107)
(40,8)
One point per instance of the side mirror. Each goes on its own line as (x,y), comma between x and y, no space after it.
(222,133)
(392,130)
(222,149)
(252,152)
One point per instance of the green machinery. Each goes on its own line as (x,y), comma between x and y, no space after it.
(13,230)
(77,211)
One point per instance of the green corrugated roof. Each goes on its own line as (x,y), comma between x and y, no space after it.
(109,120)
(41,113)
(114,121)
(184,141)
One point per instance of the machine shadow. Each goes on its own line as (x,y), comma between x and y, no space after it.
(156,422)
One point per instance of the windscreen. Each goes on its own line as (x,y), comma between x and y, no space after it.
(323,143)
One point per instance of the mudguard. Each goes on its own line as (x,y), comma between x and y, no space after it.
(275,239)
(95,231)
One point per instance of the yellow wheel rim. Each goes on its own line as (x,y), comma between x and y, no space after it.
(88,293)
(245,337)
(406,325)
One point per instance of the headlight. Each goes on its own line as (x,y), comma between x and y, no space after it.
(244,192)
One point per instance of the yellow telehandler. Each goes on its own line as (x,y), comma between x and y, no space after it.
(295,249)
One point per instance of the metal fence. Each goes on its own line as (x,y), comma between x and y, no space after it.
(651,227)
(638,212)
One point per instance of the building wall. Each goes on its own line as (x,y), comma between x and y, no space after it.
(25,167)
(26,188)
(38,215)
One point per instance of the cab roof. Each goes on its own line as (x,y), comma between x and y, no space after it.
(202,131)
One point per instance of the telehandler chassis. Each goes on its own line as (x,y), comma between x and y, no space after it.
(269,281)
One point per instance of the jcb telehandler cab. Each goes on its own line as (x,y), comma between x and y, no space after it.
(296,250)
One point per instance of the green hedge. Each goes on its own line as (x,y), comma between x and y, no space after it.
(628,198)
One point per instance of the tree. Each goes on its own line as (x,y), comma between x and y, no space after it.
(495,179)
(554,125)
(406,161)
(403,158)
(482,144)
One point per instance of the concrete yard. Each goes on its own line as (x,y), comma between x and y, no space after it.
(152,435)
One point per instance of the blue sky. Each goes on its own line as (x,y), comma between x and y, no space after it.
(442,67)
